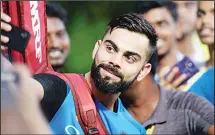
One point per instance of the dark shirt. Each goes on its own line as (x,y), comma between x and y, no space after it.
(181,113)
(55,92)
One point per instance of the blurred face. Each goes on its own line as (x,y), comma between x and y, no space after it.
(58,42)
(119,60)
(164,25)
(186,17)
(205,22)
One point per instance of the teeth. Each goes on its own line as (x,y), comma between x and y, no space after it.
(160,43)
(205,31)
(55,54)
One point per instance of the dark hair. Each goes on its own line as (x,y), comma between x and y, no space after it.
(154,62)
(135,23)
(144,6)
(56,10)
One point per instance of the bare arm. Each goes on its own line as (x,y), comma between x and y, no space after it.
(29,85)
(32,84)
(20,109)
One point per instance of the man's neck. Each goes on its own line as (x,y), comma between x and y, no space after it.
(185,46)
(56,68)
(107,99)
(141,99)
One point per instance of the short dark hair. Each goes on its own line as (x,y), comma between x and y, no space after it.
(135,23)
(56,10)
(144,6)
(154,62)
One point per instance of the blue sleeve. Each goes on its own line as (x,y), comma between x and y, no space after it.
(204,86)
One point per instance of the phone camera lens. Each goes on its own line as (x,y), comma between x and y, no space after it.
(24,35)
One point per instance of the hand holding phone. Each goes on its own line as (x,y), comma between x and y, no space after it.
(18,38)
(181,72)
(6,27)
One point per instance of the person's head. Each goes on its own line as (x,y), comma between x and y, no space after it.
(58,38)
(186,17)
(205,22)
(163,16)
(121,58)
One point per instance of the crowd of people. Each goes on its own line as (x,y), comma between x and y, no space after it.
(136,84)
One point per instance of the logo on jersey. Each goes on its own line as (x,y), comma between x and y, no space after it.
(122,133)
(70,128)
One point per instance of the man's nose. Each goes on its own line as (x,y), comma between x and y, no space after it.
(53,41)
(116,61)
(207,19)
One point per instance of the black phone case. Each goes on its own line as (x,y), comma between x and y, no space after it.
(18,38)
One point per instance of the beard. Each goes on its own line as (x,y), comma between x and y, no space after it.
(105,85)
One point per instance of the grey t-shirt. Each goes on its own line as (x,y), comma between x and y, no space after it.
(181,113)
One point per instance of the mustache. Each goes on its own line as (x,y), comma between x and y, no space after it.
(111,69)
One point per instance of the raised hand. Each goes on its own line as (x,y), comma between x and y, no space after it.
(5,27)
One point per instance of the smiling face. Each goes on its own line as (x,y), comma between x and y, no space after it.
(58,42)
(186,17)
(119,60)
(164,25)
(205,22)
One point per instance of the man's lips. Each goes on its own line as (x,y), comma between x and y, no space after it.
(160,43)
(110,73)
(206,32)
(55,54)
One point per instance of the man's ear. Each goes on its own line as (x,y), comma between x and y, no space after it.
(145,71)
(96,47)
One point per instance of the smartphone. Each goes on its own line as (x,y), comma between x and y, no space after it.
(185,66)
(18,38)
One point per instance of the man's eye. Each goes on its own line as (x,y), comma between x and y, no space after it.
(199,14)
(110,49)
(163,24)
(130,59)
(60,34)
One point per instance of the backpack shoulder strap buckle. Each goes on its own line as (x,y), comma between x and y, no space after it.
(93,131)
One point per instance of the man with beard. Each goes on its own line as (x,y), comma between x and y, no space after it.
(120,59)
(204,86)
(167,111)
(58,38)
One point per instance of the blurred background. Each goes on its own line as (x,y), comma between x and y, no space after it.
(87,21)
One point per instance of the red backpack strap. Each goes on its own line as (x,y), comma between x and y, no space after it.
(31,16)
(87,114)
